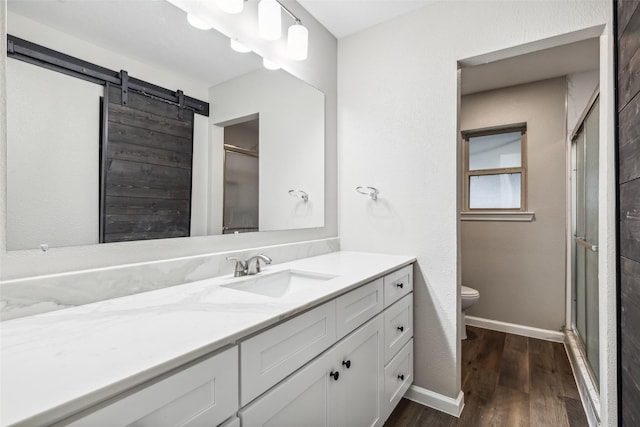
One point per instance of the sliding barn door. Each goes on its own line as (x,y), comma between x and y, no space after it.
(146,159)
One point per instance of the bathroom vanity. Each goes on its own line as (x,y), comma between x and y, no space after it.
(322,341)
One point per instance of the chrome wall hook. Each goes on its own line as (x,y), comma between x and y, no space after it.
(368,191)
(300,193)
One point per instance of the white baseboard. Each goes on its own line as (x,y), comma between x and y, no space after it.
(512,328)
(436,401)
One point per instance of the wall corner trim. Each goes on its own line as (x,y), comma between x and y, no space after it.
(436,401)
(512,328)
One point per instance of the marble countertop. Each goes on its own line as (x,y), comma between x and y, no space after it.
(55,364)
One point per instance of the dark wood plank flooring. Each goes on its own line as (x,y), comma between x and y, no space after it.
(508,381)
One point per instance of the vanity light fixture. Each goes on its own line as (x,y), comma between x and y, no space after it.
(231,6)
(198,22)
(239,46)
(270,65)
(269,20)
(298,41)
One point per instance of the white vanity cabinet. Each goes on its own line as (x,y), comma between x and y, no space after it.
(344,363)
(342,387)
(202,394)
(356,382)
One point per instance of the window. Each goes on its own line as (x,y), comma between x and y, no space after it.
(495,169)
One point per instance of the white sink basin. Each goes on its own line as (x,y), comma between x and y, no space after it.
(279,284)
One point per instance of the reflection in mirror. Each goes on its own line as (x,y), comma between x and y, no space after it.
(241,185)
(54,125)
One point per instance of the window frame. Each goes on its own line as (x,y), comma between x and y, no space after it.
(467,174)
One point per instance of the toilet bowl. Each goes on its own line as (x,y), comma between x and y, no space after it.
(468,297)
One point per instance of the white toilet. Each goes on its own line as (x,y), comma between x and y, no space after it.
(468,297)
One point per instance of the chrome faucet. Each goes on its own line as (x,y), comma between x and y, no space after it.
(253,263)
(241,266)
(250,266)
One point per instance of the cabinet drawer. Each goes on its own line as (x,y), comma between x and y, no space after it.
(398,376)
(398,284)
(203,394)
(269,357)
(398,326)
(358,306)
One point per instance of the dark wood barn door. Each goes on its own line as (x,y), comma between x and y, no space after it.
(628,115)
(146,160)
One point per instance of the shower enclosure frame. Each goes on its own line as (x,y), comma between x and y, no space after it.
(590,384)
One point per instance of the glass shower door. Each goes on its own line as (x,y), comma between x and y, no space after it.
(586,315)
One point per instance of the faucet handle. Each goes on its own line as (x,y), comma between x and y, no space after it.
(240,268)
(253,263)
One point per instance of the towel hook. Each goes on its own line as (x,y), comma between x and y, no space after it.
(300,193)
(368,191)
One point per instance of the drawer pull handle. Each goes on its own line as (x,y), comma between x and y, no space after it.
(335,375)
(400,328)
(346,363)
(400,285)
(401,377)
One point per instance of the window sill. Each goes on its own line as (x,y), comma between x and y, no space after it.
(498,216)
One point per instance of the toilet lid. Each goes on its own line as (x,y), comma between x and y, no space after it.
(467,292)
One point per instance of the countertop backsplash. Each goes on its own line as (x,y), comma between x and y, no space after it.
(30,296)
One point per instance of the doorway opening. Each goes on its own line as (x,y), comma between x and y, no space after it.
(241,177)
(523,261)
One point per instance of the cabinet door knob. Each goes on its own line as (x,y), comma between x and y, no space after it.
(400,285)
(346,363)
(335,375)
(401,377)
(400,328)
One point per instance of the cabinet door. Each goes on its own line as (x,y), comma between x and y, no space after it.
(356,400)
(203,394)
(300,400)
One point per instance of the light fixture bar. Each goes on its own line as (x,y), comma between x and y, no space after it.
(294,17)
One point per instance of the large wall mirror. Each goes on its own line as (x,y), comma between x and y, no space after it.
(254,163)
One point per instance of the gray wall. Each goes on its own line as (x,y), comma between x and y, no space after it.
(519,267)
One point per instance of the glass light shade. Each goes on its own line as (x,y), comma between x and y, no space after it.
(298,42)
(198,22)
(269,19)
(270,65)
(230,6)
(239,47)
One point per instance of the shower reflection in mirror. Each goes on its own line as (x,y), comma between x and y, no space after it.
(241,168)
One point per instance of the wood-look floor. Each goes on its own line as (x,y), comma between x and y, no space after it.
(508,381)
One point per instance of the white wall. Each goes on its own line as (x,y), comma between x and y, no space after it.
(398,126)
(200,181)
(319,70)
(54,158)
(291,143)
(580,88)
